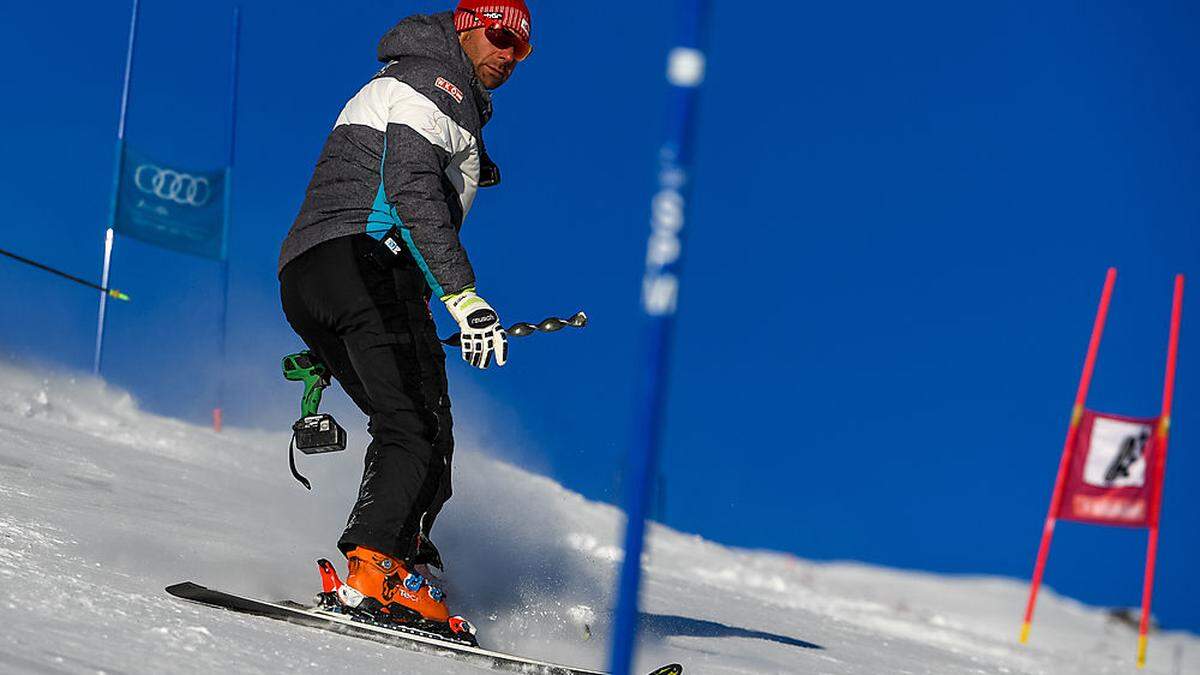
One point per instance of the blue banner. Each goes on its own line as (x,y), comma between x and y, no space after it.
(179,209)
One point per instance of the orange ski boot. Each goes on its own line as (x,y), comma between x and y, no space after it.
(337,597)
(400,592)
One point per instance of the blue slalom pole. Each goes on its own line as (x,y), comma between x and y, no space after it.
(660,291)
(235,50)
(112,216)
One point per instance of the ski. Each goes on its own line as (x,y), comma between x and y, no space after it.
(395,635)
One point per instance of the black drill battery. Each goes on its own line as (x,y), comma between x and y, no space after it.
(316,434)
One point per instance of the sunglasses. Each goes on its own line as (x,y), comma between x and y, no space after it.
(502,37)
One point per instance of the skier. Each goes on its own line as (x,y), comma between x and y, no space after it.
(376,238)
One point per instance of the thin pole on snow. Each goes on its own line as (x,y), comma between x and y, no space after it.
(1160,468)
(1085,381)
(116,184)
(660,289)
(223,321)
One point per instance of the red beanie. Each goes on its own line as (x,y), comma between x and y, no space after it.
(511,14)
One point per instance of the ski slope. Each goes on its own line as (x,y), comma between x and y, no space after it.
(102,505)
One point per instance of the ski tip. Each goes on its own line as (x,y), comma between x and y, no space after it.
(672,669)
(182,590)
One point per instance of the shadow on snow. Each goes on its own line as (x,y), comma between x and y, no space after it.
(666,625)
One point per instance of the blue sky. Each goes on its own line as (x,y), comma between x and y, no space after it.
(901,221)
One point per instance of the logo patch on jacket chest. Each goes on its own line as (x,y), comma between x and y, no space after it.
(448,87)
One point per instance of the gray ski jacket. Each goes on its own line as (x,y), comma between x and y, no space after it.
(406,152)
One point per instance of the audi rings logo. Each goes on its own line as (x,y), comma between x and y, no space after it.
(173,186)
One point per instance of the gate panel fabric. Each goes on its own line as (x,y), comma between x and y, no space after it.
(168,206)
(1110,480)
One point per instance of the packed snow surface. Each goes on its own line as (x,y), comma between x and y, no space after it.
(102,505)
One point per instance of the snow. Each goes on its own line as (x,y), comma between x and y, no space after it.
(102,505)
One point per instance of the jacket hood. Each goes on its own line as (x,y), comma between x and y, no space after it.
(433,37)
(428,36)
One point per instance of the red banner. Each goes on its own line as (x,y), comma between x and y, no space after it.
(1112,473)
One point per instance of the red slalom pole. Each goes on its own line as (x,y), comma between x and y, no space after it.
(1085,381)
(1160,469)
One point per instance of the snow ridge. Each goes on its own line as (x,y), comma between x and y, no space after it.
(102,505)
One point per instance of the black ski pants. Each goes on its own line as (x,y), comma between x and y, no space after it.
(371,325)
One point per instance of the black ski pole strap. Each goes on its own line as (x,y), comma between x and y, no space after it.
(292,464)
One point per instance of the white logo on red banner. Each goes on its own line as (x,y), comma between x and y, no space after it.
(1117,454)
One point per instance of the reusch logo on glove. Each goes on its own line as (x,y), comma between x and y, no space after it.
(481,318)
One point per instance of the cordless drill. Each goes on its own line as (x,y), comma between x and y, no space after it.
(314,432)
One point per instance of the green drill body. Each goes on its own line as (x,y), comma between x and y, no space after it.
(313,433)
(304,367)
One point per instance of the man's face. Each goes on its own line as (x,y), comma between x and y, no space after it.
(493,65)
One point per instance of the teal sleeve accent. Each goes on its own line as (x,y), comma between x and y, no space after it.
(384,217)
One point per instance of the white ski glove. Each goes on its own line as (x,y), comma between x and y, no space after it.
(483,337)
